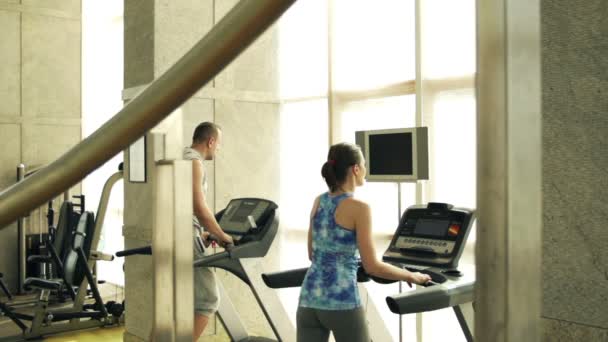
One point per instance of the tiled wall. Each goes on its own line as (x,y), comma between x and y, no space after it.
(40,93)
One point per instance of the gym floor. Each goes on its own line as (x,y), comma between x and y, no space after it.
(106,334)
(108,291)
(111,334)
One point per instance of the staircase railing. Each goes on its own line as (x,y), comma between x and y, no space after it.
(240,27)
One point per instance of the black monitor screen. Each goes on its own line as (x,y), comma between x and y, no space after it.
(437,228)
(390,154)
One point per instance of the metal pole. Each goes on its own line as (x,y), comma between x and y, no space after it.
(21,239)
(103,204)
(462,321)
(41,266)
(240,27)
(400,283)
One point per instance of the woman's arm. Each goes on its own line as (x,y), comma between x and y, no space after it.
(315,206)
(371,264)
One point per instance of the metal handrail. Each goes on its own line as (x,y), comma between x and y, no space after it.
(240,27)
(33,169)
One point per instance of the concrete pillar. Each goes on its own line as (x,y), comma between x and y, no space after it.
(509,200)
(243,100)
(575,123)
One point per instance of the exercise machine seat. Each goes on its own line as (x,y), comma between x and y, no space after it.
(38,259)
(39,283)
(75,273)
(66,223)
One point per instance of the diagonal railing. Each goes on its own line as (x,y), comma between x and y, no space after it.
(228,38)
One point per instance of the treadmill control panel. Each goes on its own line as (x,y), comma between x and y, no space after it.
(432,235)
(428,234)
(245,215)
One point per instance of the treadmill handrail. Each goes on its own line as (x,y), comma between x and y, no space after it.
(207,260)
(295,277)
(146,250)
(227,39)
(432,298)
(284,279)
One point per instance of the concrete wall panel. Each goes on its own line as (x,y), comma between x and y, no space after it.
(139,42)
(51,66)
(43,143)
(575,122)
(248,164)
(256,69)
(11,154)
(10,63)
(561,331)
(72,7)
(178,26)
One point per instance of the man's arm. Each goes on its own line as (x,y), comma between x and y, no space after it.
(201,210)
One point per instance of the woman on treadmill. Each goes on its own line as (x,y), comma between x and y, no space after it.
(340,230)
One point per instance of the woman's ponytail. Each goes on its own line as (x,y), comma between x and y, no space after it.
(328,171)
(339,159)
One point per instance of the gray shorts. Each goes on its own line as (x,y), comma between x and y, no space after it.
(346,325)
(206,293)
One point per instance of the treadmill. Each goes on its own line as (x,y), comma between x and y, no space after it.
(253,225)
(429,239)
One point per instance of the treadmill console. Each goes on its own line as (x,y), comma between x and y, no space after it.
(432,235)
(245,215)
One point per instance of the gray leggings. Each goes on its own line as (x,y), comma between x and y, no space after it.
(346,325)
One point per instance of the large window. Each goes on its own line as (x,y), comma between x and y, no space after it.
(361,65)
(373,43)
(381,113)
(304,129)
(102,50)
(447,104)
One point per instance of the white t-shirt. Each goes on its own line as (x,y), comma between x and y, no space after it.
(192,154)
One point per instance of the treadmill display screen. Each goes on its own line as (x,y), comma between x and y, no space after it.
(432,228)
(244,210)
(243,215)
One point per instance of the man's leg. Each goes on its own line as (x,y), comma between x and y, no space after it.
(206,296)
(200,323)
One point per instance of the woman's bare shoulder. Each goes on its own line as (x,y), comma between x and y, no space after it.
(355,204)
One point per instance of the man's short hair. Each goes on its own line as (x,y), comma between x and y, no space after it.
(205,131)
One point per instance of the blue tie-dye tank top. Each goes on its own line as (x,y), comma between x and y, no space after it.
(331,280)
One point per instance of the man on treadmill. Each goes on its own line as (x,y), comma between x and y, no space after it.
(206,142)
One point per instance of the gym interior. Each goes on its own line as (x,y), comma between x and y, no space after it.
(511,96)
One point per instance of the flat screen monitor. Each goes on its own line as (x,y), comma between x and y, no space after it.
(395,155)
